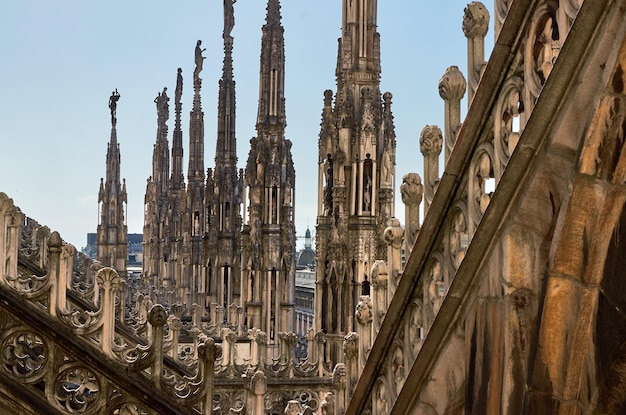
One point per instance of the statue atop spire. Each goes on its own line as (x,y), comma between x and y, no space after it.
(163,108)
(115,96)
(178,93)
(229,20)
(199,61)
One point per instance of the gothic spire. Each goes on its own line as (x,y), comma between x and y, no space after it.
(271,112)
(226,149)
(112,231)
(195,171)
(176,180)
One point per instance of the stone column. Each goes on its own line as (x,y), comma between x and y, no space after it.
(451,89)
(431,141)
(475,27)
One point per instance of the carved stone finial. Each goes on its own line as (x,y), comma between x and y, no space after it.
(55,240)
(452,84)
(293,408)
(364,310)
(328,98)
(475,20)
(339,376)
(258,383)
(350,345)
(394,233)
(431,140)
(158,315)
(108,278)
(411,189)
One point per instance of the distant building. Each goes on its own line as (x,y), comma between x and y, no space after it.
(135,251)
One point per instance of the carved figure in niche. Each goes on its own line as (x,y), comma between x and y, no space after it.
(328,190)
(544,59)
(229,18)
(458,239)
(386,168)
(162,106)
(416,323)
(115,96)
(199,59)
(381,399)
(365,286)
(367,183)
(484,174)
(397,366)
(435,287)
(179,86)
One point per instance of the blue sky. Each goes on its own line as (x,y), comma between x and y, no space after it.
(61,60)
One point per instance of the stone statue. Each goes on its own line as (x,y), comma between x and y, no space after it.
(115,96)
(163,110)
(179,86)
(229,18)
(199,61)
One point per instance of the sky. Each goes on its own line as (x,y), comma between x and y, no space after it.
(60,61)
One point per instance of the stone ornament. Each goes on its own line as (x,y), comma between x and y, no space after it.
(475,20)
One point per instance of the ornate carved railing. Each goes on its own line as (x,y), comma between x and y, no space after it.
(76,338)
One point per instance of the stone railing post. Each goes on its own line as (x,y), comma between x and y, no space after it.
(364,329)
(108,282)
(55,276)
(394,236)
(66,267)
(175,326)
(380,293)
(412,192)
(258,386)
(351,368)
(208,352)
(451,89)
(157,319)
(475,27)
(431,141)
(320,341)
(341,390)
(10,220)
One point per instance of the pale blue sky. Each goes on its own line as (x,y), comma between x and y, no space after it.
(61,59)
